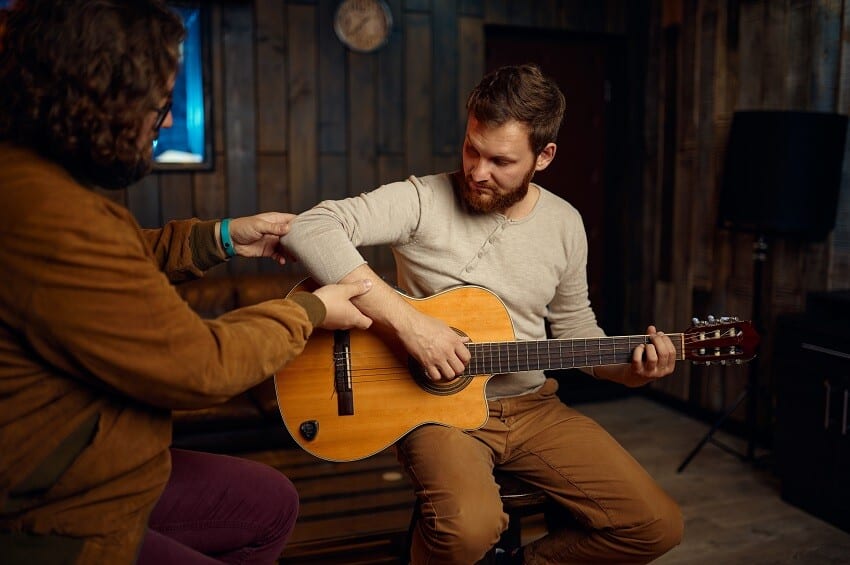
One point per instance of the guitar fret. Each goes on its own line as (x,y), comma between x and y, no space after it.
(530,355)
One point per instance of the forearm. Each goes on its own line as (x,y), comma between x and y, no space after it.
(387,308)
(438,348)
(184,249)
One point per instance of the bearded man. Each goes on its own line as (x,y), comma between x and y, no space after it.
(489,225)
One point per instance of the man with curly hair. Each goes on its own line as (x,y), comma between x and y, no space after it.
(96,346)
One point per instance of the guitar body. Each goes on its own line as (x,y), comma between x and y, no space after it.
(388,399)
(351,394)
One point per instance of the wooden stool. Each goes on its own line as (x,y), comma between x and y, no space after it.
(519,499)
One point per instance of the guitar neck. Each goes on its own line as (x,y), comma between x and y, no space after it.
(513,356)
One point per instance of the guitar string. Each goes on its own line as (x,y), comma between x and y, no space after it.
(484,349)
(604,351)
(593,348)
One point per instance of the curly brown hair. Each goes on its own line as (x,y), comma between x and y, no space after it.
(78,78)
(522,93)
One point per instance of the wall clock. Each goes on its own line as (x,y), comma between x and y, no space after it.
(363,25)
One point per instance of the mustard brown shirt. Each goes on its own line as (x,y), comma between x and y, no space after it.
(97,348)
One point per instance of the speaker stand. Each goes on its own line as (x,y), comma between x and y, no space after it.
(750,392)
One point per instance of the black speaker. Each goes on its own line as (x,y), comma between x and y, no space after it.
(783,173)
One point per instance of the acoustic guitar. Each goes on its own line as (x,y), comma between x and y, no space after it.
(353,393)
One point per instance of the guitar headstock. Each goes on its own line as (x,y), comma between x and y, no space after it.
(720,341)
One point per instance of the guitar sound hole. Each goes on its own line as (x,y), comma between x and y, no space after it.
(440,388)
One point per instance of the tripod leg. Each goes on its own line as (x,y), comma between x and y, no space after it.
(713,429)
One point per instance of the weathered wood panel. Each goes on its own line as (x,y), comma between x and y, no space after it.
(333,177)
(175,195)
(496,11)
(419,93)
(839,268)
(143,201)
(363,102)
(271,67)
(298,118)
(706,179)
(445,49)
(751,55)
(391,114)
(240,102)
(210,192)
(272,177)
(239,125)
(303,106)
(332,92)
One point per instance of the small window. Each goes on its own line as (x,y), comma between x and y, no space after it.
(187,143)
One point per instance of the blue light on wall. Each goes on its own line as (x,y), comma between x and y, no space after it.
(185,143)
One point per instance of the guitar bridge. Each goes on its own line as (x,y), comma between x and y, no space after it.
(342,373)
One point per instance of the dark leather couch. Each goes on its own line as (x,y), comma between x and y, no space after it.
(250,421)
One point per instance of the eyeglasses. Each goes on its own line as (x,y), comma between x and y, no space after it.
(161,113)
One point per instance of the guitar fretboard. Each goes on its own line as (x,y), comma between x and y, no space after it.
(513,356)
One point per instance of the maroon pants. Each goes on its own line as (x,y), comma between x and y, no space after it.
(217,508)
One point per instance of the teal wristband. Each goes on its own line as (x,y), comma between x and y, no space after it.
(226,242)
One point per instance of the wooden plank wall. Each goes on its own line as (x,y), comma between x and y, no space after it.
(708,58)
(298,118)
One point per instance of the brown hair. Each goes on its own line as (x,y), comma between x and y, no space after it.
(520,93)
(78,77)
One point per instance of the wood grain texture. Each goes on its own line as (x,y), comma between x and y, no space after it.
(143,201)
(332,94)
(282,106)
(176,197)
(272,84)
(379,371)
(303,107)
(418,94)
(445,48)
(733,511)
(390,114)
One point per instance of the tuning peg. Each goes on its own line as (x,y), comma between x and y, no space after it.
(710,319)
(695,321)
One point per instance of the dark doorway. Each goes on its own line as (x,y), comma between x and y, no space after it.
(590,70)
(588,168)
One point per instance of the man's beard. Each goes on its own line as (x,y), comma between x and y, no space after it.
(497,201)
(118,174)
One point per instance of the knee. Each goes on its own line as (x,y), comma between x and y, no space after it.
(284,498)
(661,531)
(275,500)
(462,535)
(667,530)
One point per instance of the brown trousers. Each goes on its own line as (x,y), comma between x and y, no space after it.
(627,518)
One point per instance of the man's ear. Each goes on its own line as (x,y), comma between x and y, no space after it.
(545,157)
